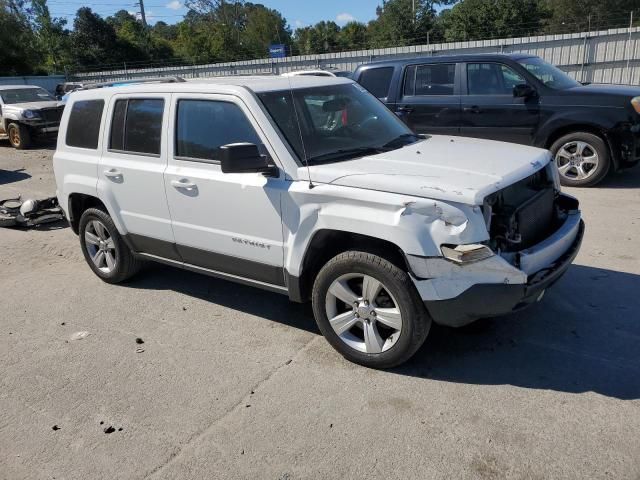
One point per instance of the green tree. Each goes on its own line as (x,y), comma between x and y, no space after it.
(93,41)
(18,46)
(163,31)
(200,39)
(133,40)
(579,15)
(52,39)
(323,37)
(398,24)
(354,36)
(481,19)
(260,28)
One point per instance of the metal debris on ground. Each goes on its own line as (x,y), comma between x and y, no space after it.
(14,212)
(109,429)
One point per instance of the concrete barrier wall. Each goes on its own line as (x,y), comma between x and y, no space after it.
(608,56)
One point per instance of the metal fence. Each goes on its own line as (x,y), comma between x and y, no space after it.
(47,82)
(606,56)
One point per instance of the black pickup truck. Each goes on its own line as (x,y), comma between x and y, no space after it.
(590,129)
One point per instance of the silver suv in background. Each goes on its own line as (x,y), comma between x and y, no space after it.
(27,112)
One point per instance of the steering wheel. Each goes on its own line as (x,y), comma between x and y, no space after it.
(356,129)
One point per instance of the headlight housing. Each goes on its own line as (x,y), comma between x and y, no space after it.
(466,253)
(30,114)
(635,103)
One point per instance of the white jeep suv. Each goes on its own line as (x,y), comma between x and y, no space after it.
(310,187)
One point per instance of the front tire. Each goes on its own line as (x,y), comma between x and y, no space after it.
(582,158)
(104,249)
(369,310)
(19,136)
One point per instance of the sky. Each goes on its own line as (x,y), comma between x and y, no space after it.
(299,13)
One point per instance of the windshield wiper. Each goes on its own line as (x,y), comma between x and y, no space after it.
(396,142)
(344,154)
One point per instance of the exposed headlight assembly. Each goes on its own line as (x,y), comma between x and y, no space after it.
(466,253)
(29,114)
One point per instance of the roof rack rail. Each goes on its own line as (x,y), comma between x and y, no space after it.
(134,81)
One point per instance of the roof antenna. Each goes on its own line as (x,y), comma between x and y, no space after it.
(304,150)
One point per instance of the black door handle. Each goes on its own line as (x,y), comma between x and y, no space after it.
(405,109)
(474,109)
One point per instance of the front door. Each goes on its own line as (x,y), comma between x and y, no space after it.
(228,223)
(490,110)
(429,102)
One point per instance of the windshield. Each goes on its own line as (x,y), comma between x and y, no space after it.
(337,122)
(25,95)
(548,74)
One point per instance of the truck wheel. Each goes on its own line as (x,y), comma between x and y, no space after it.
(104,249)
(582,158)
(369,310)
(19,136)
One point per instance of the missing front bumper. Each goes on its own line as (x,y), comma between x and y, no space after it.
(495,299)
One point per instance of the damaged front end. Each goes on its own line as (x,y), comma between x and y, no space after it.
(531,223)
(535,232)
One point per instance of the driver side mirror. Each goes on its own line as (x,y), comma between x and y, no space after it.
(524,91)
(245,158)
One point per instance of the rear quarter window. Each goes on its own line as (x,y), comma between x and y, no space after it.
(377,80)
(83,127)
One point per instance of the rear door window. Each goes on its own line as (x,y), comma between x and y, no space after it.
(434,79)
(377,81)
(83,128)
(137,125)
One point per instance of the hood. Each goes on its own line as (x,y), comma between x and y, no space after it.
(604,89)
(454,169)
(31,105)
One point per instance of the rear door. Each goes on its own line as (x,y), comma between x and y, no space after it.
(489,109)
(429,100)
(227,222)
(131,170)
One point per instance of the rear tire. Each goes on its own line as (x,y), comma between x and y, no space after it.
(369,310)
(19,136)
(582,158)
(104,249)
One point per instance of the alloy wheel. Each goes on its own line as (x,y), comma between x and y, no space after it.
(577,160)
(14,137)
(100,246)
(363,313)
